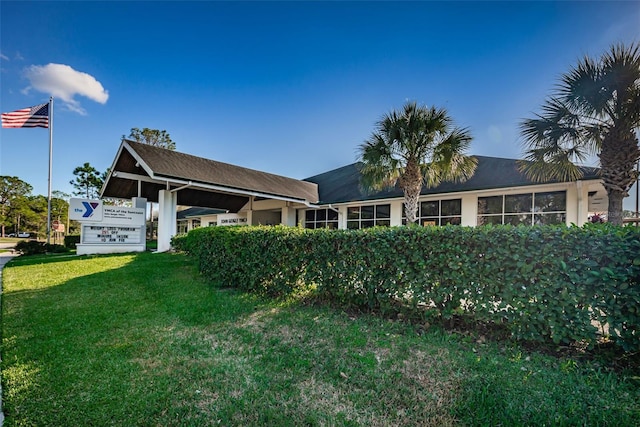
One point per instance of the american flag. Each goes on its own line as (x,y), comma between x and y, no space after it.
(30,117)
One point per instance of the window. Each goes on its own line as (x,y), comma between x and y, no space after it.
(368,216)
(321,218)
(195,223)
(525,209)
(438,212)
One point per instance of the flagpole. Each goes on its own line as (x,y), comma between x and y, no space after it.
(50,167)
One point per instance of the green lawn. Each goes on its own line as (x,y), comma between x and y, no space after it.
(141,340)
(10,240)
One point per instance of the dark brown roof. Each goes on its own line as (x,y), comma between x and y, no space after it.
(343,184)
(234,183)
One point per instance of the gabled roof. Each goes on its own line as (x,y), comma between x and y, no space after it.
(343,184)
(142,170)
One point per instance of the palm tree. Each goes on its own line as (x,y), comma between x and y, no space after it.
(418,146)
(594,111)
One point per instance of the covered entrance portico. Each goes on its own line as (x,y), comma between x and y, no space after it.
(173,179)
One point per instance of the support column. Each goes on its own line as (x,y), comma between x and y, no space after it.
(250,212)
(469,206)
(582,202)
(166,219)
(141,202)
(288,216)
(397,209)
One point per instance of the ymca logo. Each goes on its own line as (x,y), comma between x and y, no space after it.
(85,210)
(90,207)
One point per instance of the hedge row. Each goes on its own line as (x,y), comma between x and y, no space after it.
(562,283)
(33,247)
(71,241)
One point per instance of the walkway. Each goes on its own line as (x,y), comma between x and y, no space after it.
(5,257)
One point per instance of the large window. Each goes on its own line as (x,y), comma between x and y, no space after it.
(438,212)
(526,209)
(368,216)
(321,218)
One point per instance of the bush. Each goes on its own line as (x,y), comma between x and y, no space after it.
(561,283)
(33,247)
(71,241)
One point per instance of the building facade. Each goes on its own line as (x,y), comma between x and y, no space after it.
(497,194)
(194,192)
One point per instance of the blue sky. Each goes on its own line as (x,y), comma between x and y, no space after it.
(290,88)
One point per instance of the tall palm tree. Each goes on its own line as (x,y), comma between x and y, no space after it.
(595,110)
(415,147)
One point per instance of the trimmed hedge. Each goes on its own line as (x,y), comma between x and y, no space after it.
(33,247)
(70,241)
(566,284)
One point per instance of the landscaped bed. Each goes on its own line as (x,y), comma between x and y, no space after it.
(143,340)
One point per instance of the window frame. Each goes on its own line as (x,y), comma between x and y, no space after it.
(375,216)
(527,216)
(322,218)
(436,220)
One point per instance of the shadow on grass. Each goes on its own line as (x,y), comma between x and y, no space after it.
(72,329)
(40,259)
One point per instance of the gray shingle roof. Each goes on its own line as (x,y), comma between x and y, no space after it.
(343,184)
(173,164)
(233,183)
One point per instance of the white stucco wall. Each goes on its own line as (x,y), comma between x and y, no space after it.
(277,211)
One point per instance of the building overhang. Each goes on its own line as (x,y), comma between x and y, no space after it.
(140,170)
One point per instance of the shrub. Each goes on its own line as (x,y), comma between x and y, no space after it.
(71,241)
(33,247)
(561,283)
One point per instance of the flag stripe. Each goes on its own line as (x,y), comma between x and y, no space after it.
(31,117)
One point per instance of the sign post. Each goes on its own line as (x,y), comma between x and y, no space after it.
(108,229)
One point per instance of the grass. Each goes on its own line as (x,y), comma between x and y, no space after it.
(142,340)
(10,239)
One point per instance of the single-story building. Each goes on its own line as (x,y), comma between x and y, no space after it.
(219,194)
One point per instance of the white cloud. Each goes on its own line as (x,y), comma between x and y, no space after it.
(64,83)
(5,57)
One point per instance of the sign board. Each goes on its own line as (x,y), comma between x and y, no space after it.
(123,215)
(108,229)
(57,226)
(111,234)
(85,210)
(232,219)
(598,203)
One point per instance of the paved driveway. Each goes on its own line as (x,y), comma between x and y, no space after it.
(5,257)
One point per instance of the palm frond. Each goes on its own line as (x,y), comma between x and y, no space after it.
(379,168)
(449,162)
(550,163)
(582,89)
(560,129)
